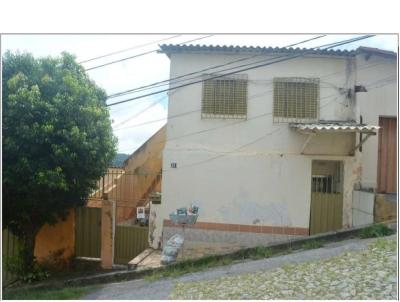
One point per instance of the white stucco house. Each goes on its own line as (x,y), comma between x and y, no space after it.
(276,151)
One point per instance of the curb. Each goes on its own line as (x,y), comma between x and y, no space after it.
(127,275)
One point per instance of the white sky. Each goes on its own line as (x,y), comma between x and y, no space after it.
(150,68)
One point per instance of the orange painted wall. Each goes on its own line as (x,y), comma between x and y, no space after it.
(54,238)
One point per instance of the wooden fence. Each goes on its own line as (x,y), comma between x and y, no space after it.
(11,244)
(130,241)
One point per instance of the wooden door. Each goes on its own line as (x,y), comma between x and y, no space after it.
(387,155)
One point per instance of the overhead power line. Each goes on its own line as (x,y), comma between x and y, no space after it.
(126,49)
(212,67)
(336,44)
(366,66)
(165,82)
(139,55)
(386,81)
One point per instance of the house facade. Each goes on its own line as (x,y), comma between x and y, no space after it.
(274,152)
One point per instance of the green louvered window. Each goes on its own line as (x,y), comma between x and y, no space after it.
(225,97)
(296,99)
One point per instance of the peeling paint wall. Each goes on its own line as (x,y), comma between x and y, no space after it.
(55,244)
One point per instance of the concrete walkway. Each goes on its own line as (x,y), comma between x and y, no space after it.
(161,289)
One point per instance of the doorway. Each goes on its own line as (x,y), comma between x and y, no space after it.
(326,211)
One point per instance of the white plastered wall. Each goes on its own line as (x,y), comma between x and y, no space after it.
(251,172)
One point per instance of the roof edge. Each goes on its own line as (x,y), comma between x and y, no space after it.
(377,51)
(175,48)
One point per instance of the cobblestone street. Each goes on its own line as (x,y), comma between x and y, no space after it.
(349,269)
(368,274)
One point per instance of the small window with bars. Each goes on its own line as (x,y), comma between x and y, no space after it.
(225,97)
(326,183)
(296,99)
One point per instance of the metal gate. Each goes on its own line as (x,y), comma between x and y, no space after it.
(129,242)
(88,232)
(326,211)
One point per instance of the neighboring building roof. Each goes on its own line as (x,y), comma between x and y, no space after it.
(171,48)
(377,51)
(334,127)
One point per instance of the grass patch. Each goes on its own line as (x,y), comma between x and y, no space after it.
(312,244)
(376,230)
(188,266)
(192,266)
(66,293)
(261,252)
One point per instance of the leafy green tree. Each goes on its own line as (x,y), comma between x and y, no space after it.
(57,142)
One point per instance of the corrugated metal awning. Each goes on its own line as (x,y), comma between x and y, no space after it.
(334,127)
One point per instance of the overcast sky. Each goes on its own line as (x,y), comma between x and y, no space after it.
(150,68)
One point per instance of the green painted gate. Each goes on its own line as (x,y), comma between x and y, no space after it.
(129,242)
(88,232)
(326,212)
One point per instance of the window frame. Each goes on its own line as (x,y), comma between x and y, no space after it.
(235,115)
(296,118)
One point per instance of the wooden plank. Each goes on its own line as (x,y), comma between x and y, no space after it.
(392,158)
(387,155)
(381,149)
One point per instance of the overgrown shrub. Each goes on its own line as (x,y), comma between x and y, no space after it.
(16,266)
(376,230)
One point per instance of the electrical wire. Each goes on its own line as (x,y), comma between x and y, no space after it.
(139,55)
(244,69)
(366,66)
(143,110)
(212,67)
(250,98)
(238,122)
(200,71)
(126,49)
(234,123)
(151,86)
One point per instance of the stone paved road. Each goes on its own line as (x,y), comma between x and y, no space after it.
(351,269)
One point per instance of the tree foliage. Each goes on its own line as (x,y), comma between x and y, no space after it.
(57,140)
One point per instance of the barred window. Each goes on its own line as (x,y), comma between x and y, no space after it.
(225,97)
(296,99)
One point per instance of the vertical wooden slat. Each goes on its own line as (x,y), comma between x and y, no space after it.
(392,160)
(387,155)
